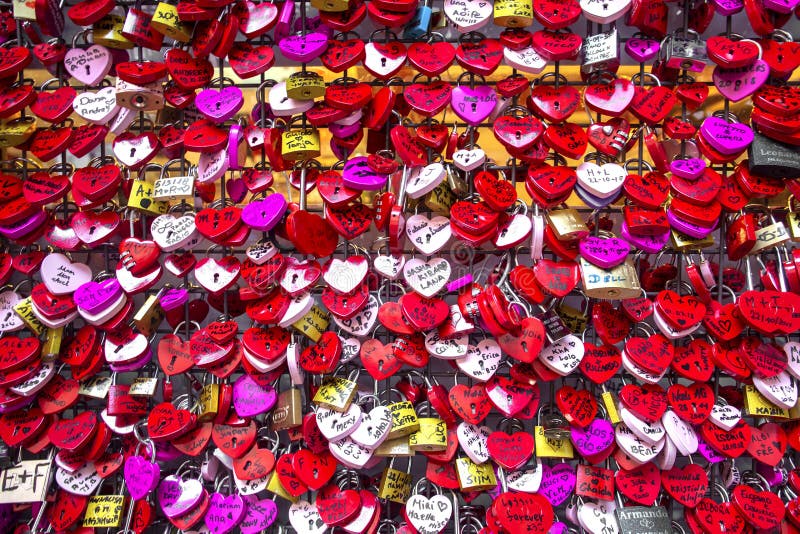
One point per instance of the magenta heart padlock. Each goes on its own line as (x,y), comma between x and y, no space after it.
(726,137)
(173,298)
(264,214)
(219,105)
(357,174)
(726,8)
(141,476)
(738,84)
(781,6)
(473,104)
(304,48)
(642,49)
(647,243)
(251,398)
(558,483)
(177,496)
(224,513)
(594,439)
(25,226)
(689,168)
(605,252)
(94,297)
(691,229)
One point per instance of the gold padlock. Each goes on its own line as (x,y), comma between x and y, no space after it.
(336,392)
(16,131)
(274,486)
(475,477)
(432,433)
(770,236)
(441,199)
(573,318)
(288,412)
(300,144)
(146,97)
(149,316)
(52,344)
(398,447)
(683,242)
(619,283)
(208,402)
(141,196)
(305,86)
(395,485)
(567,224)
(166,22)
(513,13)
(331,6)
(757,405)
(108,32)
(313,324)
(404,418)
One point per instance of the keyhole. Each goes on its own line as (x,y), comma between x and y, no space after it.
(336,190)
(92,229)
(88,70)
(383,62)
(119,348)
(216,277)
(474,107)
(169,234)
(294,278)
(481,364)
(556,105)
(234,441)
(172,361)
(428,238)
(219,105)
(133,151)
(605,6)
(525,346)
(473,407)
(518,134)
(315,472)
(380,365)
(344,302)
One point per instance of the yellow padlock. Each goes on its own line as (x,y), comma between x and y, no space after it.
(274,485)
(757,405)
(610,404)
(441,199)
(331,6)
(148,318)
(305,86)
(141,197)
(513,13)
(313,324)
(395,485)
(24,9)
(300,144)
(52,344)
(683,242)
(336,393)
(208,402)
(166,22)
(404,418)
(108,32)
(397,447)
(24,308)
(16,131)
(475,477)
(432,433)
(104,511)
(551,447)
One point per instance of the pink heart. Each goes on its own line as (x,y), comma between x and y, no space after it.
(690,168)
(642,50)
(219,105)
(594,439)
(264,214)
(304,48)
(177,496)
(259,516)
(141,476)
(250,398)
(737,84)
(357,174)
(236,189)
(93,297)
(224,513)
(726,137)
(473,104)
(558,483)
(603,251)
(89,65)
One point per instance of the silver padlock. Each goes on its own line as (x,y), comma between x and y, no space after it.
(684,50)
(145,97)
(600,52)
(169,187)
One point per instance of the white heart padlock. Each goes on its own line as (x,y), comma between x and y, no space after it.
(427,277)
(428,236)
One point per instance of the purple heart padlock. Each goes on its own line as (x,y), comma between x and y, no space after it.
(94,297)
(177,496)
(594,439)
(707,452)
(224,513)
(259,515)
(726,137)
(605,252)
(251,398)
(132,365)
(264,214)
(304,48)
(642,49)
(737,84)
(141,476)
(473,104)
(219,105)
(357,174)
(646,243)
(689,168)
(558,483)
(343,131)
(25,226)
(173,298)
(781,6)
(593,201)
(685,227)
(237,189)
(726,8)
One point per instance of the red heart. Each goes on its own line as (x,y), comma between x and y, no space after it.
(348,97)
(18,427)
(552,182)
(204,136)
(729,443)
(523,512)
(138,255)
(610,98)
(390,315)
(234,440)
(518,133)
(512,86)
(341,55)
(653,354)
(287,477)
(323,357)
(442,474)
(693,361)
(482,57)
(762,509)
(166,422)
(311,234)
(701,191)
(641,484)
(49,305)
(558,278)
(567,139)
(677,128)
(782,57)
(47,144)
(528,344)
(649,402)
(768,443)
(58,395)
(66,509)
(431,59)
(723,321)
(691,403)
(349,220)
(470,403)
(687,484)
(649,190)
(652,105)
(217,225)
(555,46)
(194,441)
(692,94)
(314,470)
(95,183)
(510,450)
(509,396)
(73,434)
(499,194)
(680,311)
(86,139)
(578,405)
(770,312)
(337,507)
(610,323)
(411,350)
(600,362)
(424,313)
(718,517)
(187,71)
(428,99)
(764,359)
(256,463)
(609,137)
(109,463)
(247,60)
(379,360)
(174,355)
(730,54)
(729,361)
(554,105)
(17,352)
(268,344)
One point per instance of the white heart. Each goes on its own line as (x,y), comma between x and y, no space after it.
(468,15)
(451,348)
(10,320)
(598,517)
(638,372)
(389,266)
(374,428)
(122,120)
(130,350)
(667,329)
(428,236)
(423,180)
(338,425)
(601,181)
(604,11)
(32,385)
(351,347)
(428,516)
(104,315)
(299,305)
(780,389)
(650,433)
(526,481)
(171,233)
(427,277)
(114,423)
(456,323)
(211,166)
(61,276)
(381,65)
(261,252)
(283,106)
(81,482)
(482,360)
(133,284)
(665,459)
(680,433)
(360,324)
(305,518)
(792,350)
(213,276)
(633,446)
(88,66)
(513,232)
(344,276)
(97,108)
(251,487)
(350,453)
(564,355)
(725,416)
(472,439)
(525,60)
(469,159)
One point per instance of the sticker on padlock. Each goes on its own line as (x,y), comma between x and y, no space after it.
(148,97)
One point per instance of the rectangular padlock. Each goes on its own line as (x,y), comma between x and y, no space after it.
(768,157)
(547,447)
(431,436)
(104,511)
(757,405)
(395,485)
(300,144)
(793,220)
(288,412)
(600,52)
(208,402)
(141,198)
(166,22)
(610,404)
(395,448)
(475,477)
(24,9)
(770,237)
(305,86)
(173,188)
(513,13)
(567,224)
(147,97)
(313,324)
(120,402)
(639,519)
(52,343)
(404,419)
(149,316)
(684,53)
(618,283)
(24,308)
(108,32)
(683,242)
(336,393)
